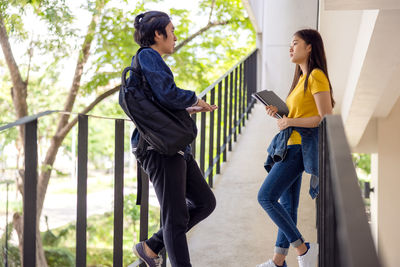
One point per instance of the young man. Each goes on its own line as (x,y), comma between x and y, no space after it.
(184,196)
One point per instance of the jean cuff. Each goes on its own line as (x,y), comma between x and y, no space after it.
(298,242)
(283,251)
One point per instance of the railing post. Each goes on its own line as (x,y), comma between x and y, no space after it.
(30,194)
(251,79)
(203,139)
(239,123)
(225,117)
(328,255)
(81,220)
(219,128)
(245,92)
(118,193)
(235,118)
(144,205)
(211,141)
(254,89)
(230,109)
(194,141)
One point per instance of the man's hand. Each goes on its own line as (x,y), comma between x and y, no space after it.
(201,106)
(204,105)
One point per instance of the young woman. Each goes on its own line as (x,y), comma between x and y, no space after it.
(309,100)
(184,196)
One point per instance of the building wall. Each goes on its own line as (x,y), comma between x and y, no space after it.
(281,20)
(387,186)
(347,34)
(277,22)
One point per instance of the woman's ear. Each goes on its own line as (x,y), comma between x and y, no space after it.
(309,48)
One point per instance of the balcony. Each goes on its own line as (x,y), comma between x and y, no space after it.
(231,150)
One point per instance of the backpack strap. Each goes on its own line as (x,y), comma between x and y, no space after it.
(136,66)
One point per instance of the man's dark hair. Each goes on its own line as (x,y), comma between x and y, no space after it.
(146,24)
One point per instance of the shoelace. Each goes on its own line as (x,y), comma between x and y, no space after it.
(158,261)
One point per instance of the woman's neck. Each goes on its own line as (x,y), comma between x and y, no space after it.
(304,68)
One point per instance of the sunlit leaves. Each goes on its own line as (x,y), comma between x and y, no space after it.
(195,66)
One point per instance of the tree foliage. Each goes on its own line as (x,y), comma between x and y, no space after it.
(195,65)
(362,162)
(51,38)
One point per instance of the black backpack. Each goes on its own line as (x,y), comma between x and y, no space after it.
(167,131)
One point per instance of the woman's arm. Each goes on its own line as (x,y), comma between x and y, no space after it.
(324,106)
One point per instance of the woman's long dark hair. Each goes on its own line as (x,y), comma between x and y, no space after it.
(316,60)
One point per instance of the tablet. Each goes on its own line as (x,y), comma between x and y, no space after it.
(270,98)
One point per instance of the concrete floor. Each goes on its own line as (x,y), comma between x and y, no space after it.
(239,232)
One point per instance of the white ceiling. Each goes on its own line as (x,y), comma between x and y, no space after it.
(361,4)
(363,58)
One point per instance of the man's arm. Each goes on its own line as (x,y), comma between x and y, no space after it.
(161,81)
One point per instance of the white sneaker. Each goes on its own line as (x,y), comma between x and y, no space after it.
(269,263)
(310,258)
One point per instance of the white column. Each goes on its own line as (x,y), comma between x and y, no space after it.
(388,187)
(281,20)
(374,197)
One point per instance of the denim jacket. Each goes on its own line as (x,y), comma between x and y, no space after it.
(309,146)
(161,81)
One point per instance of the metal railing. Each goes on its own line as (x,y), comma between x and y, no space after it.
(30,187)
(344,234)
(233,92)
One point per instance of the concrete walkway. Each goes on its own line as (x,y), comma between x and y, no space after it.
(239,232)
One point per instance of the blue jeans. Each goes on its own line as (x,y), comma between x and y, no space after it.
(283,183)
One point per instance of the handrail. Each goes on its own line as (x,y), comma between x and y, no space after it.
(238,83)
(205,91)
(27,119)
(344,234)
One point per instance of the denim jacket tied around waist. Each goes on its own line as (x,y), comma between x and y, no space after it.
(309,147)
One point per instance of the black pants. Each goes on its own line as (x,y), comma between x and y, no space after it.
(185,199)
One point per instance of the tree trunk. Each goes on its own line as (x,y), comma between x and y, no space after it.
(19,89)
(40,256)
(60,134)
(18,226)
(18,222)
(19,94)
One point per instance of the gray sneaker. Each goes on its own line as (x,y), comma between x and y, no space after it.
(138,250)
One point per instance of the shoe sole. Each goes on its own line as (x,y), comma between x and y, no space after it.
(137,255)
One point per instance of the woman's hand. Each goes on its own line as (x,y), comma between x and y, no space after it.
(271,110)
(283,123)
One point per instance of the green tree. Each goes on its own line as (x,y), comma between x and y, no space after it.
(203,52)
(362,162)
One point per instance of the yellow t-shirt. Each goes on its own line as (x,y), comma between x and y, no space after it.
(302,105)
